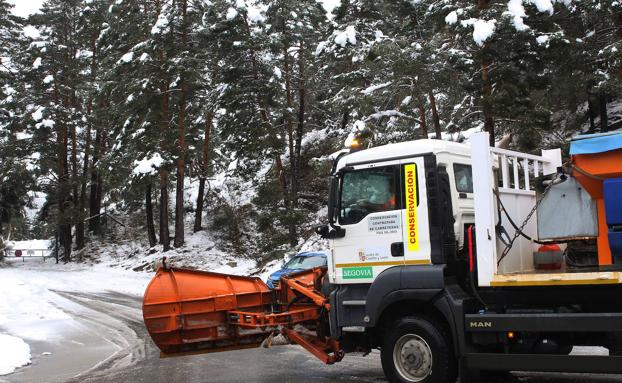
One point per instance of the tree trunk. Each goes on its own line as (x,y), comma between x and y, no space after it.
(345,118)
(80,227)
(591,110)
(288,199)
(435,118)
(489,124)
(74,185)
(604,120)
(151,235)
(204,171)
(181,140)
(301,119)
(164,126)
(63,191)
(82,200)
(95,194)
(424,126)
(181,168)
(94,207)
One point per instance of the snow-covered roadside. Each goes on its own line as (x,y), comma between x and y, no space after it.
(38,324)
(14,353)
(33,314)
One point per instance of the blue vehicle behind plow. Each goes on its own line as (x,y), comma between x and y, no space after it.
(301,261)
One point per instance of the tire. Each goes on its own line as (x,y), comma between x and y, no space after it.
(416,350)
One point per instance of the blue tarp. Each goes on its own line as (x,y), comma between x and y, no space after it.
(596,143)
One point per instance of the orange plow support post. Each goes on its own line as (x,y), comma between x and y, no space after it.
(190,312)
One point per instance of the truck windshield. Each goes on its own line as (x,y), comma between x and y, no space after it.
(305,262)
(367,191)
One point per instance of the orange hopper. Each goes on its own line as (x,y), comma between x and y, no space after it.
(590,170)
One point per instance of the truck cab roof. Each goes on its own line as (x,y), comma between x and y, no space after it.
(403,150)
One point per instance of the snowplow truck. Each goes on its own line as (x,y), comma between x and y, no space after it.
(451,259)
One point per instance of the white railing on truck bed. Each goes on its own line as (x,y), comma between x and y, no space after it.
(515,191)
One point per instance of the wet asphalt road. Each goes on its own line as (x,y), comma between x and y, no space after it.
(137,358)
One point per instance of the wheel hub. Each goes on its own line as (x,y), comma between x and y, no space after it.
(413,358)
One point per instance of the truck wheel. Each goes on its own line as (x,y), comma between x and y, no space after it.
(416,350)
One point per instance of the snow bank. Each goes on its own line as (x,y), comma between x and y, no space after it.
(14,353)
(26,307)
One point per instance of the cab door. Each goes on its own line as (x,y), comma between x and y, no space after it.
(370,211)
(416,228)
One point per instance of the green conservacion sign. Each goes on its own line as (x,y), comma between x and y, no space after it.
(358,272)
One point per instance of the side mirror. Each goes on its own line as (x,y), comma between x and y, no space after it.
(325,232)
(322,231)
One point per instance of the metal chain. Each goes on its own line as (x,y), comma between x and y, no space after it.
(508,247)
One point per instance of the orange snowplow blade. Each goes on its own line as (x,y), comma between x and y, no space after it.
(190,312)
(185,311)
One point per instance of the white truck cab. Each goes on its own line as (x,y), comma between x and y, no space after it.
(385,198)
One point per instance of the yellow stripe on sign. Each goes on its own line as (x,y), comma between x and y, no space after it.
(388,263)
(410,187)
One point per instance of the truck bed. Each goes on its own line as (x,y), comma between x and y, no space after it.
(567,278)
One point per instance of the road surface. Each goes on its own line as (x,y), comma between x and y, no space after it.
(112,345)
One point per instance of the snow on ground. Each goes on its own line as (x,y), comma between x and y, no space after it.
(199,252)
(30,307)
(14,353)
(34,311)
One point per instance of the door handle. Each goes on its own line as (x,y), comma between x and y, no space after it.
(397,249)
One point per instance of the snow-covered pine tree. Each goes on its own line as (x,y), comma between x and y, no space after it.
(134,46)
(16,177)
(56,110)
